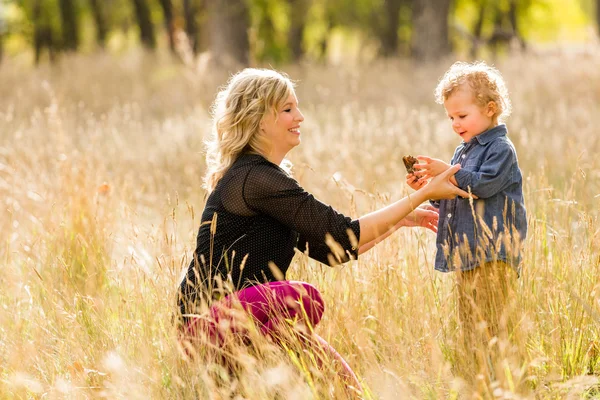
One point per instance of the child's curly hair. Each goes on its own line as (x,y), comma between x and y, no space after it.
(486,84)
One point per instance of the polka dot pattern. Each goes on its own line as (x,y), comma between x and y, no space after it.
(252,221)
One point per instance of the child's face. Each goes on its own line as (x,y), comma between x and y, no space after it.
(468,119)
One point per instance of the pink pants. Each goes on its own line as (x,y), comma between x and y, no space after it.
(269,304)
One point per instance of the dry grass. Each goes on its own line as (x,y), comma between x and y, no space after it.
(100,175)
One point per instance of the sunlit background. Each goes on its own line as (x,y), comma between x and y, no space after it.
(104,107)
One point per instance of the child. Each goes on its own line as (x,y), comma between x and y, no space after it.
(481,238)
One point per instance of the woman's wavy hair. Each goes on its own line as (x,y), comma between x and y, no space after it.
(486,84)
(237,112)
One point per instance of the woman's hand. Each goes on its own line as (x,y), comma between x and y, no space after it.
(426,216)
(441,187)
(431,167)
(414,182)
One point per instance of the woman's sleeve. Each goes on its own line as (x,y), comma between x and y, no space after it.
(332,237)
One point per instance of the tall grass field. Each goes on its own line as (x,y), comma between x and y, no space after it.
(101,166)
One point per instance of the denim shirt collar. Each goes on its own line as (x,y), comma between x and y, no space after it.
(491,134)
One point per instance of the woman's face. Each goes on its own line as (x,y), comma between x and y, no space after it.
(282,128)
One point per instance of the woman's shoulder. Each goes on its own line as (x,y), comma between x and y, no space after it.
(250,160)
(256,164)
(248,165)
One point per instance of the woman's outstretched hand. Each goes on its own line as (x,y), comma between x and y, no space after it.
(441,187)
(426,217)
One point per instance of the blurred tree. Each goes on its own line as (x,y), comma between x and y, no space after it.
(363,16)
(506,28)
(69,25)
(167,7)
(430,40)
(388,31)
(97,8)
(496,25)
(270,28)
(2,32)
(43,35)
(192,10)
(477,37)
(142,14)
(228,30)
(298,13)
(598,16)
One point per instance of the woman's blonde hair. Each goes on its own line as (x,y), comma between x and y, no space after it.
(237,112)
(486,84)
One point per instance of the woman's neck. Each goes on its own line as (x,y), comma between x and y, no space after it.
(273,156)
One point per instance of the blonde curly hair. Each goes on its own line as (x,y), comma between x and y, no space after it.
(485,82)
(237,112)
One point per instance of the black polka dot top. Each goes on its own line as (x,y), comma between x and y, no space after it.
(254,218)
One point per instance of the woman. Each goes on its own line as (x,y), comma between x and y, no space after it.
(257,214)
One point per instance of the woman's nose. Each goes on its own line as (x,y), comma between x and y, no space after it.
(300,116)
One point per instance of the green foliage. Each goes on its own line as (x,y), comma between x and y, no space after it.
(538,20)
(269,24)
(270,20)
(555,20)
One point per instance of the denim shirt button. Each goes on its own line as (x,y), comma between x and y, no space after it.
(449,215)
(463,156)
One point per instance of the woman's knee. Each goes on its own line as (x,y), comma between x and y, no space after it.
(311,301)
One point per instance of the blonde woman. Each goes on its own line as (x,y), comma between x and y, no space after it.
(257,214)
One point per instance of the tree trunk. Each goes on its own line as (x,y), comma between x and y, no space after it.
(512,17)
(299,10)
(598,16)
(167,7)
(70,31)
(430,29)
(228,29)
(142,14)
(97,7)
(42,32)
(389,34)
(478,29)
(1,38)
(190,13)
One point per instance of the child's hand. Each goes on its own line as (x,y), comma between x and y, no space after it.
(414,182)
(430,167)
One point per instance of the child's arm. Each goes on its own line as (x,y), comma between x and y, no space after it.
(493,175)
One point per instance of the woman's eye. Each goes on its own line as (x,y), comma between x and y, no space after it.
(287,110)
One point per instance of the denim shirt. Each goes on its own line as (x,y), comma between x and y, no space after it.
(493,227)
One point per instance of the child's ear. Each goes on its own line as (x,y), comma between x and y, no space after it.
(491,108)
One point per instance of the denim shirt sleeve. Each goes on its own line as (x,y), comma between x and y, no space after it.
(493,175)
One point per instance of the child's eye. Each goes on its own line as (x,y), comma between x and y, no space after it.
(462,116)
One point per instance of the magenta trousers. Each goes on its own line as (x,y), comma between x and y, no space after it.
(269,304)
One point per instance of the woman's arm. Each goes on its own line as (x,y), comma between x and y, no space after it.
(426,217)
(383,221)
(270,191)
